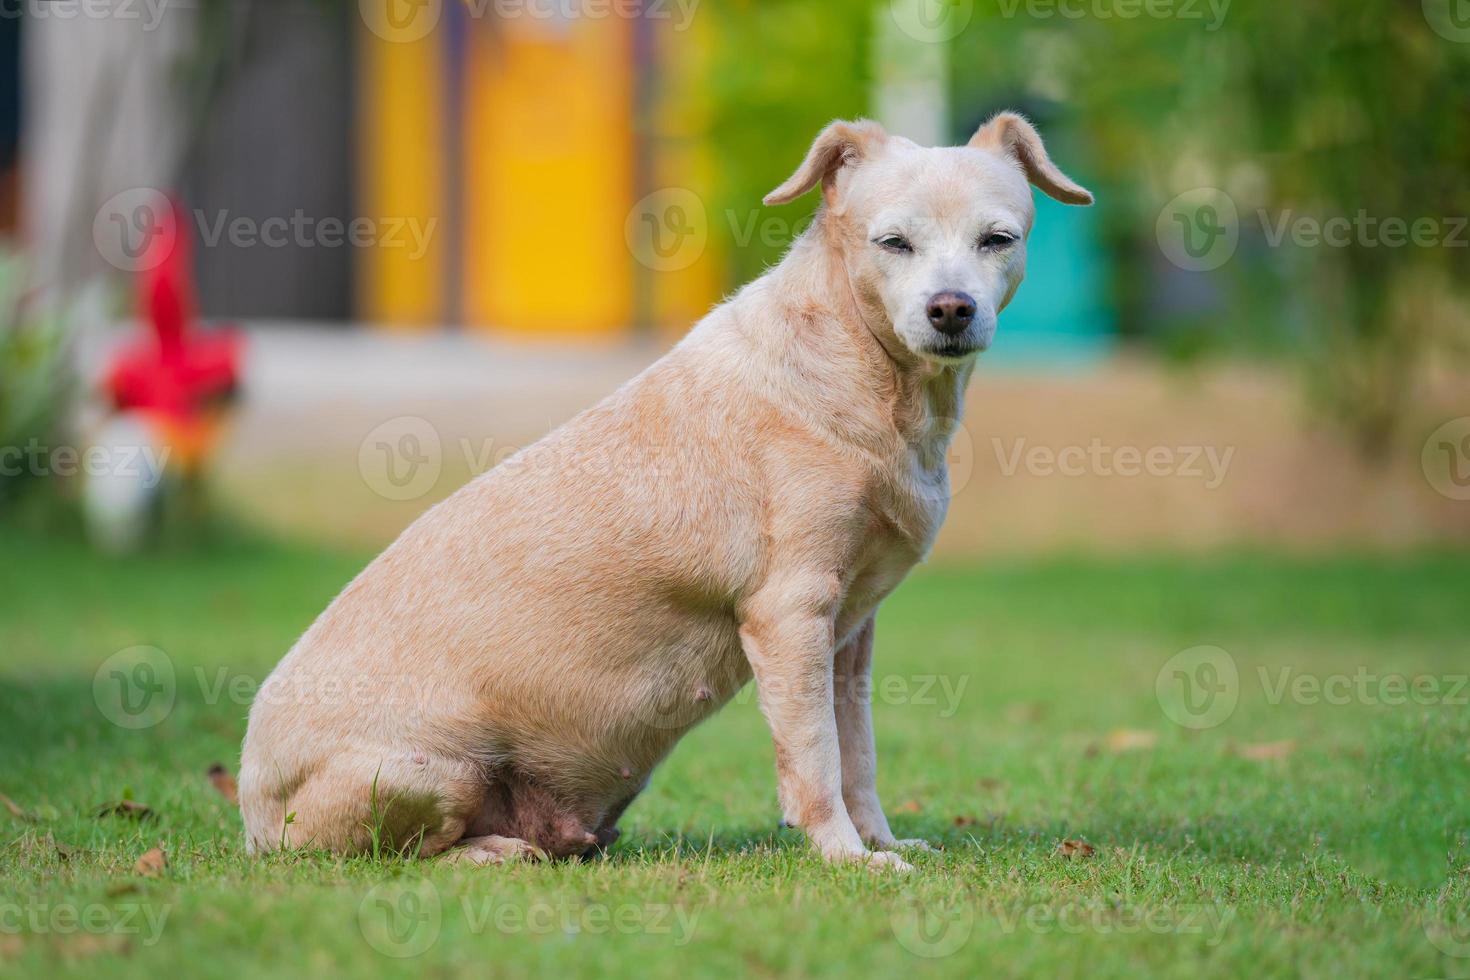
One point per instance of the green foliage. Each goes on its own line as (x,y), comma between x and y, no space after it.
(781,70)
(35,376)
(1313,109)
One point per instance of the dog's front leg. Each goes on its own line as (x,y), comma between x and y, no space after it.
(787,632)
(852,673)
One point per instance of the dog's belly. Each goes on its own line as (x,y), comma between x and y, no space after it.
(599,714)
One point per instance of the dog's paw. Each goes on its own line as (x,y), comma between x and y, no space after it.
(887,861)
(493,850)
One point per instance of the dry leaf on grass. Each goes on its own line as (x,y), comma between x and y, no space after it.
(1266,751)
(964,820)
(1131,740)
(909,806)
(1075,849)
(126,808)
(16,810)
(1028,712)
(152,864)
(221,780)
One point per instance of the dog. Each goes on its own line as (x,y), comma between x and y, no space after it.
(502,680)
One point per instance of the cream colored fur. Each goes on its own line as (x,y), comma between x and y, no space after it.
(508,673)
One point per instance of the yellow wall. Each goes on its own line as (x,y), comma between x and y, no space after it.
(401,176)
(539,237)
(548,177)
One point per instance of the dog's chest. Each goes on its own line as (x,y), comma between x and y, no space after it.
(914,497)
(907,508)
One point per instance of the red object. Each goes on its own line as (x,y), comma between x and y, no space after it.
(177,374)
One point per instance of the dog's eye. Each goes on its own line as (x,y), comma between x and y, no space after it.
(894,243)
(998,240)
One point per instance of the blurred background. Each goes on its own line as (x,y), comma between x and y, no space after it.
(308,265)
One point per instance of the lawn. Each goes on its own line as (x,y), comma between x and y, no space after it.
(1308,816)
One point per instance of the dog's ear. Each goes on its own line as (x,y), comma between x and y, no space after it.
(1009,134)
(840,144)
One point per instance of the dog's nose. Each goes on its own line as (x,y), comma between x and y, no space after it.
(950,312)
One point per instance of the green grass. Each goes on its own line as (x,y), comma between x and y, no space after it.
(999,688)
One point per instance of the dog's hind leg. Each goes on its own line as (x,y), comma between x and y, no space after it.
(356,803)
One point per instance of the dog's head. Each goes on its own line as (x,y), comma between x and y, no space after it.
(933,239)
